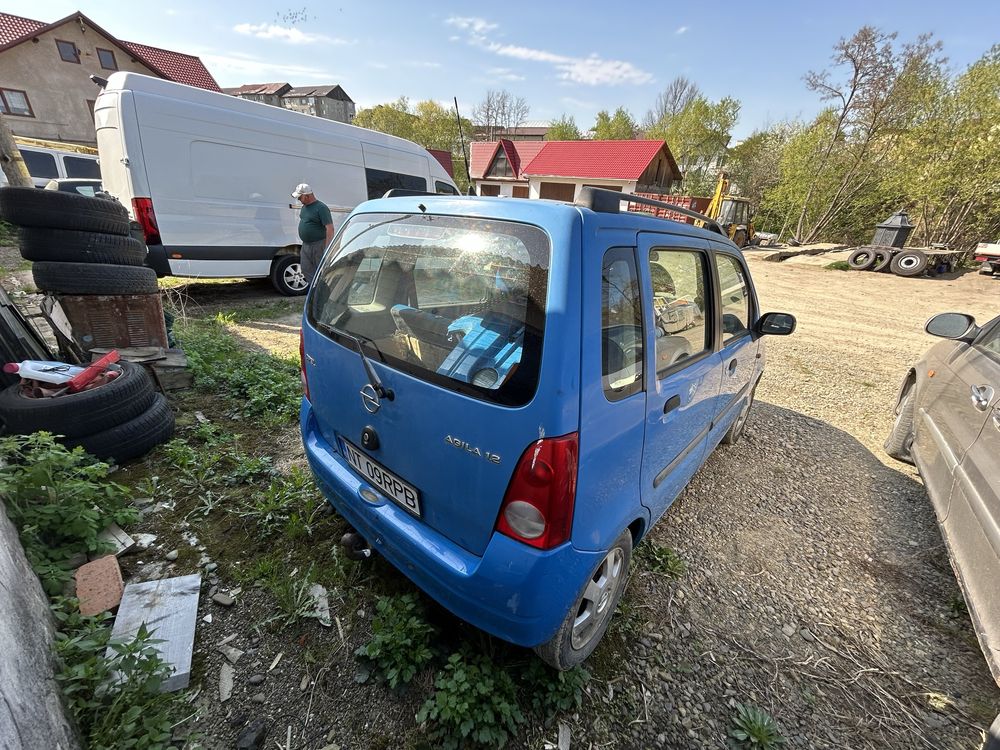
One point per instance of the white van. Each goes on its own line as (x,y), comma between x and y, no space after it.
(49,160)
(209,176)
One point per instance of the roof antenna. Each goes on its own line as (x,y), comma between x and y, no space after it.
(465,156)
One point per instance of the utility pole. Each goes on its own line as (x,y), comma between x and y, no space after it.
(10,158)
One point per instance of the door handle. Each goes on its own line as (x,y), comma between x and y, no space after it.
(981,396)
(732,366)
(672,403)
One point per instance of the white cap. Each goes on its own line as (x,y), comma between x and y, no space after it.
(302,189)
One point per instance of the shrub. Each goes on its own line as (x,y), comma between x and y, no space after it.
(753,729)
(401,639)
(660,559)
(59,500)
(553,691)
(474,705)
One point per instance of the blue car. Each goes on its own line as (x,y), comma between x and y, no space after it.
(503,396)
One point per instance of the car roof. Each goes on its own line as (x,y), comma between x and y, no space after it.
(535,211)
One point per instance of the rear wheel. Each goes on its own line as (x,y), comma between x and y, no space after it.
(587,620)
(900,437)
(740,237)
(287,276)
(862,259)
(986,269)
(882,260)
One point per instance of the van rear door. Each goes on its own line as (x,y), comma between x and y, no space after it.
(118,146)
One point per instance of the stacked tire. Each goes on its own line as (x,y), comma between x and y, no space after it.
(80,245)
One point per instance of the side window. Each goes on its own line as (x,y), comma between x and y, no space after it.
(991,342)
(735,297)
(681,327)
(77,166)
(40,164)
(380,182)
(443,188)
(621,325)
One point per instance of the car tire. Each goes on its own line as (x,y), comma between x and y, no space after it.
(882,260)
(909,263)
(986,269)
(133,438)
(736,429)
(30,207)
(93,278)
(72,245)
(77,414)
(862,259)
(897,445)
(574,641)
(287,277)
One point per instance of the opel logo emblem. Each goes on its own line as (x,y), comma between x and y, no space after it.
(370,399)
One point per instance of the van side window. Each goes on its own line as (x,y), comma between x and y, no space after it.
(443,188)
(621,325)
(380,182)
(40,164)
(681,326)
(735,296)
(79,167)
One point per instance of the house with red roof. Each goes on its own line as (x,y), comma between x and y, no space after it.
(560,169)
(45,69)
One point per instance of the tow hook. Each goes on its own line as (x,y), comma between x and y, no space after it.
(355,546)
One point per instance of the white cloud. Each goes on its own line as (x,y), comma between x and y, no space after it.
(288,34)
(422,64)
(471,24)
(681,30)
(504,74)
(237,69)
(592,70)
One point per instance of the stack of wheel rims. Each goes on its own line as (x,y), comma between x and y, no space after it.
(81,245)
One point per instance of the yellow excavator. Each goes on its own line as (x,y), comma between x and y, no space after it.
(732,212)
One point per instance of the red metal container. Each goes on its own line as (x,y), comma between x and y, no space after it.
(115,321)
(694,202)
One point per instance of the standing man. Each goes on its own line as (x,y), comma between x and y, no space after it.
(315,229)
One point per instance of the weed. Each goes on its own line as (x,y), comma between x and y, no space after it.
(552,691)
(660,559)
(289,503)
(113,688)
(292,594)
(8,235)
(249,469)
(838,265)
(59,500)
(752,728)
(207,502)
(474,704)
(401,639)
(180,454)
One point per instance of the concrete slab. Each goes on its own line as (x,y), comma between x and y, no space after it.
(169,608)
(120,541)
(99,585)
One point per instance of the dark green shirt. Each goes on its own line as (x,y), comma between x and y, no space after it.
(313,220)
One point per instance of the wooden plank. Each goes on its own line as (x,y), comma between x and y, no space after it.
(169,608)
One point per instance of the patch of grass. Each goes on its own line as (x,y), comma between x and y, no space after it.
(289,504)
(265,310)
(837,265)
(752,728)
(550,691)
(8,235)
(660,559)
(400,645)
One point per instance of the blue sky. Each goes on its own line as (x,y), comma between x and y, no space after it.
(571,57)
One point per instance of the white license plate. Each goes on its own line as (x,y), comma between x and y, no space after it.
(405,495)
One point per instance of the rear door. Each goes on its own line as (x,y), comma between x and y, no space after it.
(683,366)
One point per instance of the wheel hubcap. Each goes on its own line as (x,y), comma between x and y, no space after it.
(908,262)
(601,590)
(294,277)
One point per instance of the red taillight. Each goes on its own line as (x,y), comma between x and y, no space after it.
(302,366)
(981,259)
(538,506)
(143,208)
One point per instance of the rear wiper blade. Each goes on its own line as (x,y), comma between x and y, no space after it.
(373,379)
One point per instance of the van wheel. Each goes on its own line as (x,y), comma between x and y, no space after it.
(287,276)
(587,620)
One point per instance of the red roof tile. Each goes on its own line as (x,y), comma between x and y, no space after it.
(519,154)
(176,66)
(481,157)
(610,160)
(444,157)
(526,151)
(14,27)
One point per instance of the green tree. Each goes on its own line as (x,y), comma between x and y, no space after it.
(617,127)
(563,129)
(754,164)
(394,118)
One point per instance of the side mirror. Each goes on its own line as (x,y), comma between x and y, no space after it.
(776,324)
(952,326)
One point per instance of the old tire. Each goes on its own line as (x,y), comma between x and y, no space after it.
(287,277)
(587,620)
(29,207)
(72,245)
(900,437)
(78,414)
(909,263)
(740,238)
(882,260)
(133,438)
(93,278)
(862,259)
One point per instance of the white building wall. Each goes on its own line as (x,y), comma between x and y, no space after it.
(506,188)
(534,184)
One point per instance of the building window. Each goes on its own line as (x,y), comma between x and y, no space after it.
(107,58)
(15,102)
(68,51)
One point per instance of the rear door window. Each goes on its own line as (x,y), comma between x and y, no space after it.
(380,182)
(735,296)
(681,327)
(40,164)
(77,166)
(455,301)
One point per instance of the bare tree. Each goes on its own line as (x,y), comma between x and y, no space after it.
(10,158)
(670,102)
(499,113)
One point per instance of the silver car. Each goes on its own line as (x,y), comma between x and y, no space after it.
(948,425)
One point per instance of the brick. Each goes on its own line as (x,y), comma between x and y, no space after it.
(99,585)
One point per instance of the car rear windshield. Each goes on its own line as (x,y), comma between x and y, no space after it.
(458,302)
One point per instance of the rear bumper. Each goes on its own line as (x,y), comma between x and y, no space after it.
(513,591)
